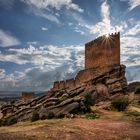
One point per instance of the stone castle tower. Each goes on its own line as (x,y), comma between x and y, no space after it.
(101,55)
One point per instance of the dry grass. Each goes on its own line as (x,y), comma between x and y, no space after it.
(113,127)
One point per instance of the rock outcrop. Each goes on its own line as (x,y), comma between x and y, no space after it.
(67,101)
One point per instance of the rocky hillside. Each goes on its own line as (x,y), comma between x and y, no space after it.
(74,101)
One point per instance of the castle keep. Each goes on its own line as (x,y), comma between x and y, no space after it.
(101,55)
(103,52)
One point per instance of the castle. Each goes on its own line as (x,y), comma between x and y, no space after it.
(103,77)
(101,55)
(27,96)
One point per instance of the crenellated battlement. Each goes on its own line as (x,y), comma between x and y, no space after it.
(103,37)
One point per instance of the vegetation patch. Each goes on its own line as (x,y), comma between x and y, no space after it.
(12,121)
(92,116)
(35,117)
(7,122)
(120,103)
(88,101)
(63,98)
(60,116)
(50,115)
(43,117)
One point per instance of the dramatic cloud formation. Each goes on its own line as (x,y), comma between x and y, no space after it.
(133,4)
(50,55)
(6,39)
(50,63)
(58,4)
(43,8)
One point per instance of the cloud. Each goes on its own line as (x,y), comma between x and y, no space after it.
(49,63)
(102,27)
(6,39)
(78,30)
(134,30)
(44,29)
(44,8)
(133,4)
(57,4)
(133,73)
(45,14)
(52,56)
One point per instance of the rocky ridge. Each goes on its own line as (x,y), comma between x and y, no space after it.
(71,101)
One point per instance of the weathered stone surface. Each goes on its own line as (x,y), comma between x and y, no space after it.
(65,102)
(70,108)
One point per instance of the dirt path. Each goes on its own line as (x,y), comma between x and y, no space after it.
(72,129)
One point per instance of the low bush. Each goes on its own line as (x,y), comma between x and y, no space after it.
(88,101)
(92,116)
(7,122)
(12,121)
(63,98)
(3,122)
(60,116)
(35,117)
(120,103)
(50,115)
(43,117)
(137,90)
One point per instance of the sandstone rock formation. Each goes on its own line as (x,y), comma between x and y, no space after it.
(67,101)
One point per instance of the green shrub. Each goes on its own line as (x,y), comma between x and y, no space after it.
(35,117)
(3,122)
(92,116)
(60,116)
(43,117)
(63,98)
(120,103)
(50,115)
(88,101)
(137,90)
(12,121)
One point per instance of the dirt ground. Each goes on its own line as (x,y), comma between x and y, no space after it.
(112,126)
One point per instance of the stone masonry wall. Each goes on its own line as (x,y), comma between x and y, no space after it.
(103,52)
(27,96)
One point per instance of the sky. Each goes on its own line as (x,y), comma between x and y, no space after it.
(42,41)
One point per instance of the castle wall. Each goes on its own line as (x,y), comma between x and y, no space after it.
(56,85)
(27,96)
(62,85)
(70,83)
(86,75)
(103,52)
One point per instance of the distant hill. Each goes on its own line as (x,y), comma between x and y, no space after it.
(9,93)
